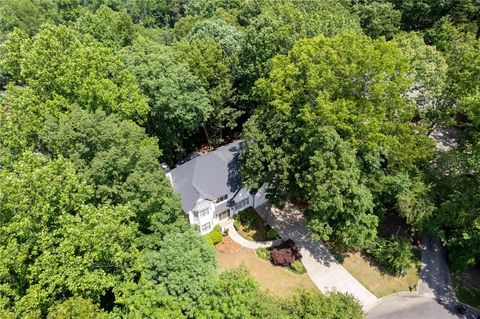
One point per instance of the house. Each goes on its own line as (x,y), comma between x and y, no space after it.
(210,187)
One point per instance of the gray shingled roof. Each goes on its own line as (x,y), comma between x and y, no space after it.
(208,176)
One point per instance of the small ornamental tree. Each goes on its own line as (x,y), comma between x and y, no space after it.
(285,254)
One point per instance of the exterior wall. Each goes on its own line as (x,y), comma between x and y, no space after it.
(259,198)
(215,209)
(209,218)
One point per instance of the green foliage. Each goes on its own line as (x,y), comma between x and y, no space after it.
(395,254)
(119,160)
(46,227)
(415,204)
(333,123)
(179,104)
(27,15)
(428,70)
(146,299)
(263,253)
(379,18)
(275,26)
(234,295)
(213,67)
(215,236)
(184,263)
(310,304)
(112,29)
(62,68)
(74,308)
(247,218)
(271,234)
(298,267)
(226,35)
(422,14)
(89,225)
(456,182)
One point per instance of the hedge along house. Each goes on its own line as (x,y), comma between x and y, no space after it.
(210,187)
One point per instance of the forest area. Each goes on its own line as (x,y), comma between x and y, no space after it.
(336,101)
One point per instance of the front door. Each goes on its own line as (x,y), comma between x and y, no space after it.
(224,214)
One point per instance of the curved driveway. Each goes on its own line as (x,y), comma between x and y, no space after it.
(323,269)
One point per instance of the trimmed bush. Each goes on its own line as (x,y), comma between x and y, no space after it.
(263,253)
(271,234)
(298,267)
(215,236)
(395,254)
(236,224)
(248,218)
(285,254)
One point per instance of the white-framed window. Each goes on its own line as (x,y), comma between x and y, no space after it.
(203,213)
(241,204)
(205,227)
(221,199)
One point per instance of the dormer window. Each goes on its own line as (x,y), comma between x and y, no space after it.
(221,199)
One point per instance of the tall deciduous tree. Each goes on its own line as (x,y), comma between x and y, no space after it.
(60,65)
(52,245)
(118,160)
(378,18)
(179,104)
(214,69)
(335,119)
(113,29)
(274,27)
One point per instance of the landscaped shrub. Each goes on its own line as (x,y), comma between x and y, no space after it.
(298,267)
(247,218)
(285,254)
(263,253)
(395,254)
(271,234)
(215,236)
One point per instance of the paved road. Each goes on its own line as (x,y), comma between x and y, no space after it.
(323,269)
(413,306)
(435,297)
(435,280)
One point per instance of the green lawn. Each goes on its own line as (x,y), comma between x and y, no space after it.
(378,282)
(466,294)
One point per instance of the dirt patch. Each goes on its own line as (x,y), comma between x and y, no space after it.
(227,246)
(277,280)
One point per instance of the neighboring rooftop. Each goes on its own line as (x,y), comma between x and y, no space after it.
(208,176)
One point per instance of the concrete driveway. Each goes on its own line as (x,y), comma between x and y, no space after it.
(323,269)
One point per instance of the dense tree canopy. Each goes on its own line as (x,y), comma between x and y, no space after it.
(334,118)
(83,72)
(337,103)
(178,102)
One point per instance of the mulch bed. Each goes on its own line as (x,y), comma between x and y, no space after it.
(228,246)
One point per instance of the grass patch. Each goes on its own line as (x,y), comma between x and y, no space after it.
(298,267)
(466,294)
(275,279)
(379,282)
(252,227)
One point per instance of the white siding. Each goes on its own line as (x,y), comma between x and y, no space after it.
(260,198)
